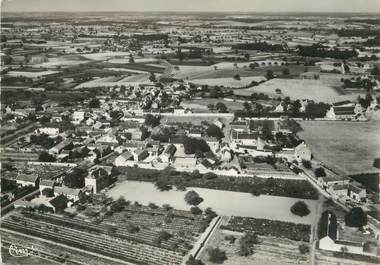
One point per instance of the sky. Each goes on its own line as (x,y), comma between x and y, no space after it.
(372,6)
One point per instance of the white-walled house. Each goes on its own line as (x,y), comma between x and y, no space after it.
(27,180)
(48,130)
(213,143)
(71,194)
(46,184)
(332,236)
(302,152)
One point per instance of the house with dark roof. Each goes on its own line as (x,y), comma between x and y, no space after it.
(140,154)
(206,164)
(58,203)
(345,111)
(122,160)
(168,153)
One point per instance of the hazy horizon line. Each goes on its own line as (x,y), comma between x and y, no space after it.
(203,11)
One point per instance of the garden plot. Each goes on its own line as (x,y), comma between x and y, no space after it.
(349,147)
(269,250)
(233,203)
(316,90)
(121,244)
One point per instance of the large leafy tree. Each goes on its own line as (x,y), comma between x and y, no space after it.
(356,217)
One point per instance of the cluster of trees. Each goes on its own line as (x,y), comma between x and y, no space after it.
(164,134)
(293,189)
(359,82)
(320,172)
(376,163)
(195,146)
(375,70)
(46,157)
(292,109)
(258,96)
(43,140)
(47,192)
(196,210)
(193,198)
(133,229)
(247,242)
(152,120)
(265,159)
(369,180)
(119,205)
(236,77)
(221,107)
(374,41)
(145,133)
(316,50)
(94,103)
(306,163)
(316,110)
(266,132)
(75,179)
(303,249)
(7,184)
(163,236)
(194,261)
(216,255)
(269,74)
(357,32)
(214,131)
(366,101)
(356,217)
(300,208)
(260,46)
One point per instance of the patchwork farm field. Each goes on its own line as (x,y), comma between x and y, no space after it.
(227,70)
(228,81)
(31,74)
(64,61)
(347,147)
(317,90)
(133,80)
